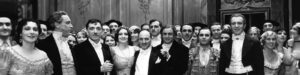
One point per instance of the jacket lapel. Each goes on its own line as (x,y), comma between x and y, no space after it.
(228,47)
(92,51)
(246,46)
(151,60)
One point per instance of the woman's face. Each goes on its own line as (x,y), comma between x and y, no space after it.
(123,36)
(110,41)
(134,36)
(270,41)
(281,36)
(194,38)
(81,37)
(253,34)
(224,37)
(30,32)
(72,40)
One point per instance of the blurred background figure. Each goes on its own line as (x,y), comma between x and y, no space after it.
(225,35)
(226,27)
(105,31)
(81,36)
(113,25)
(110,41)
(44,27)
(178,33)
(134,30)
(145,26)
(254,33)
(72,41)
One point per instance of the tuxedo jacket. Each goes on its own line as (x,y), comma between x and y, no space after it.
(252,55)
(178,62)
(49,46)
(88,62)
(153,68)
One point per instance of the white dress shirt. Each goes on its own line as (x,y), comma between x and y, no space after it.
(98,50)
(236,66)
(5,46)
(187,43)
(65,53)
(156,40)
(142,62)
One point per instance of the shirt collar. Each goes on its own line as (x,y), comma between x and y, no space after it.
(94,43)
(7,41)
(167,45)
(186,42)
(142,51)
(158,37)
(58,36)
(238,37)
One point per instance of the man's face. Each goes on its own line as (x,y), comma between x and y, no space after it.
(268,26)
(187,32)
(204,36)
(66,25)
(5,26)
(216,31)
(237,25)
(168,35)
(44,33)
(197,29)
(144,39)
(94,31)
(155,28)
(253,34)
(106,30)
(114,27)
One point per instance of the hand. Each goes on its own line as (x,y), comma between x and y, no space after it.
(106,67)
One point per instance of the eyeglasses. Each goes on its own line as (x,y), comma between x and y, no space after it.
(5,23)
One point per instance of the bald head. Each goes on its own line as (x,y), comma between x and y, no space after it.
(144,39)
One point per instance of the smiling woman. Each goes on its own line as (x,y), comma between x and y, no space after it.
(25,58)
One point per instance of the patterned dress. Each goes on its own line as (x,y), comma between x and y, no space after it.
(122,63)
(204,61)
(13,63)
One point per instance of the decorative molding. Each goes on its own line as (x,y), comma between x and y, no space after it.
(145,7)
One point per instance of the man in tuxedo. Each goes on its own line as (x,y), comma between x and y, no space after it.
(241,55)
(155,28)
(5,33)
(187,33)
(148,59)
(93,57)
(56,45)
(176,54)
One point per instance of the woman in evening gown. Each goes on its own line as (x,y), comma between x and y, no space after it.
(123,54)
(273,58)
(24,58)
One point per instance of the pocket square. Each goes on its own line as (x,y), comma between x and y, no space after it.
(158,60)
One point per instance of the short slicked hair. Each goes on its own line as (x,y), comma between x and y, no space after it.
(56,17)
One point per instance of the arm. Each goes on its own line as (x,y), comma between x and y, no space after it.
(257,59)
(5,57)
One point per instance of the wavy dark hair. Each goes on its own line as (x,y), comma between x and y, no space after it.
(117,35)
(19,29)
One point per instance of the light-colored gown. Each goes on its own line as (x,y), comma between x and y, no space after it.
(13,63)
(273,68)
(122,63)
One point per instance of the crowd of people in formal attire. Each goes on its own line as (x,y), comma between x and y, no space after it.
(36,47)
